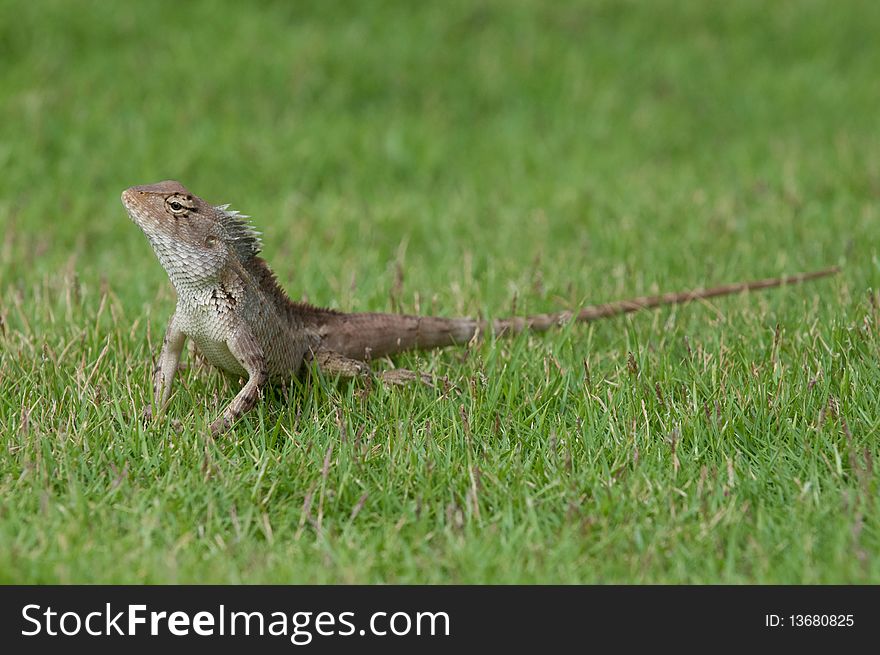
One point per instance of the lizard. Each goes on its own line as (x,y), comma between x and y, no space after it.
(231,305)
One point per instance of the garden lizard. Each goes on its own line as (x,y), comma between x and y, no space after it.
(231,305)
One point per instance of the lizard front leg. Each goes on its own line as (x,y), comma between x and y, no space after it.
(166,366)
(244,347)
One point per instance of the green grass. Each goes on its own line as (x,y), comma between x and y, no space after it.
(457,158)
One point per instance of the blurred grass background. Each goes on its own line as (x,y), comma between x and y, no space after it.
(458,158)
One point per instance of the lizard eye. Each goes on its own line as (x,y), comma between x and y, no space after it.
(178,205)
(210,241)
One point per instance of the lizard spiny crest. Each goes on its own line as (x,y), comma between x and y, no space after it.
(246,239)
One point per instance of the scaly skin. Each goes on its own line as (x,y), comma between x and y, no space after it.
(230,305)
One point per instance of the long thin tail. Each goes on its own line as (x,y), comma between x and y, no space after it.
(368,335)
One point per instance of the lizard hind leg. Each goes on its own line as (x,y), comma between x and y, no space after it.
(404,376)
(332,363)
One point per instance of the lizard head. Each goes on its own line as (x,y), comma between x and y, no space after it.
(194,240)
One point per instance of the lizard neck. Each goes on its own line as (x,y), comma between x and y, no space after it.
(192,274)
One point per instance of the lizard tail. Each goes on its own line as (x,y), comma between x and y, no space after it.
(371,335)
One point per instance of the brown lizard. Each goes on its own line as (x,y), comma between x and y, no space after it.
(230,304)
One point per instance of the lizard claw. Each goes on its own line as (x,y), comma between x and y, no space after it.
(147,417)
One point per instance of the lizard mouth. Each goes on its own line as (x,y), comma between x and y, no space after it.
(130,202)
(128,199)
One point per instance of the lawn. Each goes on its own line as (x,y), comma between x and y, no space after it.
(454,158)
